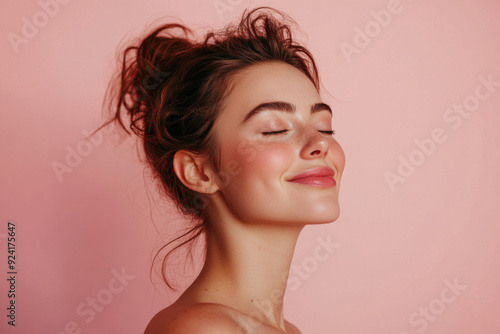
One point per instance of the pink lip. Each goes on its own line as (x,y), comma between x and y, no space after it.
(319,177)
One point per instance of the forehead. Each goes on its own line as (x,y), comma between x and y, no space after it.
(266,82)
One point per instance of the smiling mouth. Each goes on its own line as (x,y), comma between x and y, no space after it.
(322,177)
(316,181)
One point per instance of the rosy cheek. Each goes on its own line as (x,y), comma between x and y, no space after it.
(246,157)
(270,158)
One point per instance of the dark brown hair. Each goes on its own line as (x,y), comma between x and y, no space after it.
(172,88)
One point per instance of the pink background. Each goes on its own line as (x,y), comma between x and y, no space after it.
(397,248)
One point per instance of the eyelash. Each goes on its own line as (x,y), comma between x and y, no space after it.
(271,133)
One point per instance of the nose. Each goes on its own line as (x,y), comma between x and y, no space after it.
(316,145)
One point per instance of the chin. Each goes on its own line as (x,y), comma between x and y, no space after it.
(326,220)
(317,218)
(324,213)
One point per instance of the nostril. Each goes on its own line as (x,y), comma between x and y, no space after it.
(313,152)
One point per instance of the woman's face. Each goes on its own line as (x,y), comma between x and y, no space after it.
(256,165)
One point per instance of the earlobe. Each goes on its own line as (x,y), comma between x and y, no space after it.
(194,171)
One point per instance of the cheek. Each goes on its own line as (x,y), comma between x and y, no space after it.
(338,156)
(272,161)
(250,161)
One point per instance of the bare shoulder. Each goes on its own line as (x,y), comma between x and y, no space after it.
(202,318)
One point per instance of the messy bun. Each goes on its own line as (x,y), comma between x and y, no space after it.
(171,89)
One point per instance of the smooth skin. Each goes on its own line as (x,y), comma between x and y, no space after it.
(256,213)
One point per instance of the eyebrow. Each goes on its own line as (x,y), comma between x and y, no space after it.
(284,106)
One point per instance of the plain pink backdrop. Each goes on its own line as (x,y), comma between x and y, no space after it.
(397,249)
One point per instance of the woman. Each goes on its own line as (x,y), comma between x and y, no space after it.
(235,130)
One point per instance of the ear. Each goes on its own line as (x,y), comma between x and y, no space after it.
(195,172)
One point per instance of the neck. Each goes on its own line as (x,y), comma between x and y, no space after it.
(246,268)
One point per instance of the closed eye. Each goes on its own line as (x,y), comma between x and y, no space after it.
(329,132)
(271,133)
